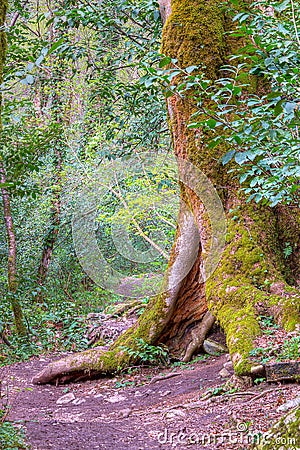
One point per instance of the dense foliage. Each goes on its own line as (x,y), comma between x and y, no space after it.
(253,108)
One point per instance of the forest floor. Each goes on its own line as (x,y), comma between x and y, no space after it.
(150,408)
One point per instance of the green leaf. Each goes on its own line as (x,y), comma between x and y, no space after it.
(211,123)
(289,107)
(228,157)
(240,158)
(190,69)
(173,74)
(149,81)
(281,6)
(39,60)
(243,177)
(28,80)
(164,61)
(194,125)
(214,142)
(273,95)
(278,108)
(55,45)
(241,17)
(237,139)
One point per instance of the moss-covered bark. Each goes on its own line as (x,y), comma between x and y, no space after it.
(252,274)
(250,281)
(285,435)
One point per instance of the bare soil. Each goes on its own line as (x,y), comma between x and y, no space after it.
(142,410)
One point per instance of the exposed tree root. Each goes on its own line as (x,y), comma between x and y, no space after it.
(82,365)
(198,334)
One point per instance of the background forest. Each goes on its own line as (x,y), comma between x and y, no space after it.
(72,99)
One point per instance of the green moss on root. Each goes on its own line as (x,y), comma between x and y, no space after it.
(284,435)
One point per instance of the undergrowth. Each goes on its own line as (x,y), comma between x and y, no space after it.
(289,350)
(149,354)
(12,437)
(58,324)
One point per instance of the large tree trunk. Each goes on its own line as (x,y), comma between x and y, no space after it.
(252,274)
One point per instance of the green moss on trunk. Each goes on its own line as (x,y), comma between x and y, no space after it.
(250,275)
(194,34)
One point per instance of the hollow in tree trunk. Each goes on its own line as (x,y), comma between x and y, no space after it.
(252,276)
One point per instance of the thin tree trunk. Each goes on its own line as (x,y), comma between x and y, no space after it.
(9,225)
(55,213)
(12,276)
(55,219)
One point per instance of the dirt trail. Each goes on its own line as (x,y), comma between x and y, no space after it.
(131,412)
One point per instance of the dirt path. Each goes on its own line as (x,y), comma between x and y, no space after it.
(131,412)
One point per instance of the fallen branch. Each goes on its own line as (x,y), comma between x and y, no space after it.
(264,393)
(164,377)
(237,394)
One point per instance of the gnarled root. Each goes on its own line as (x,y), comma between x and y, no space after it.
(198,335)
(82,365)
